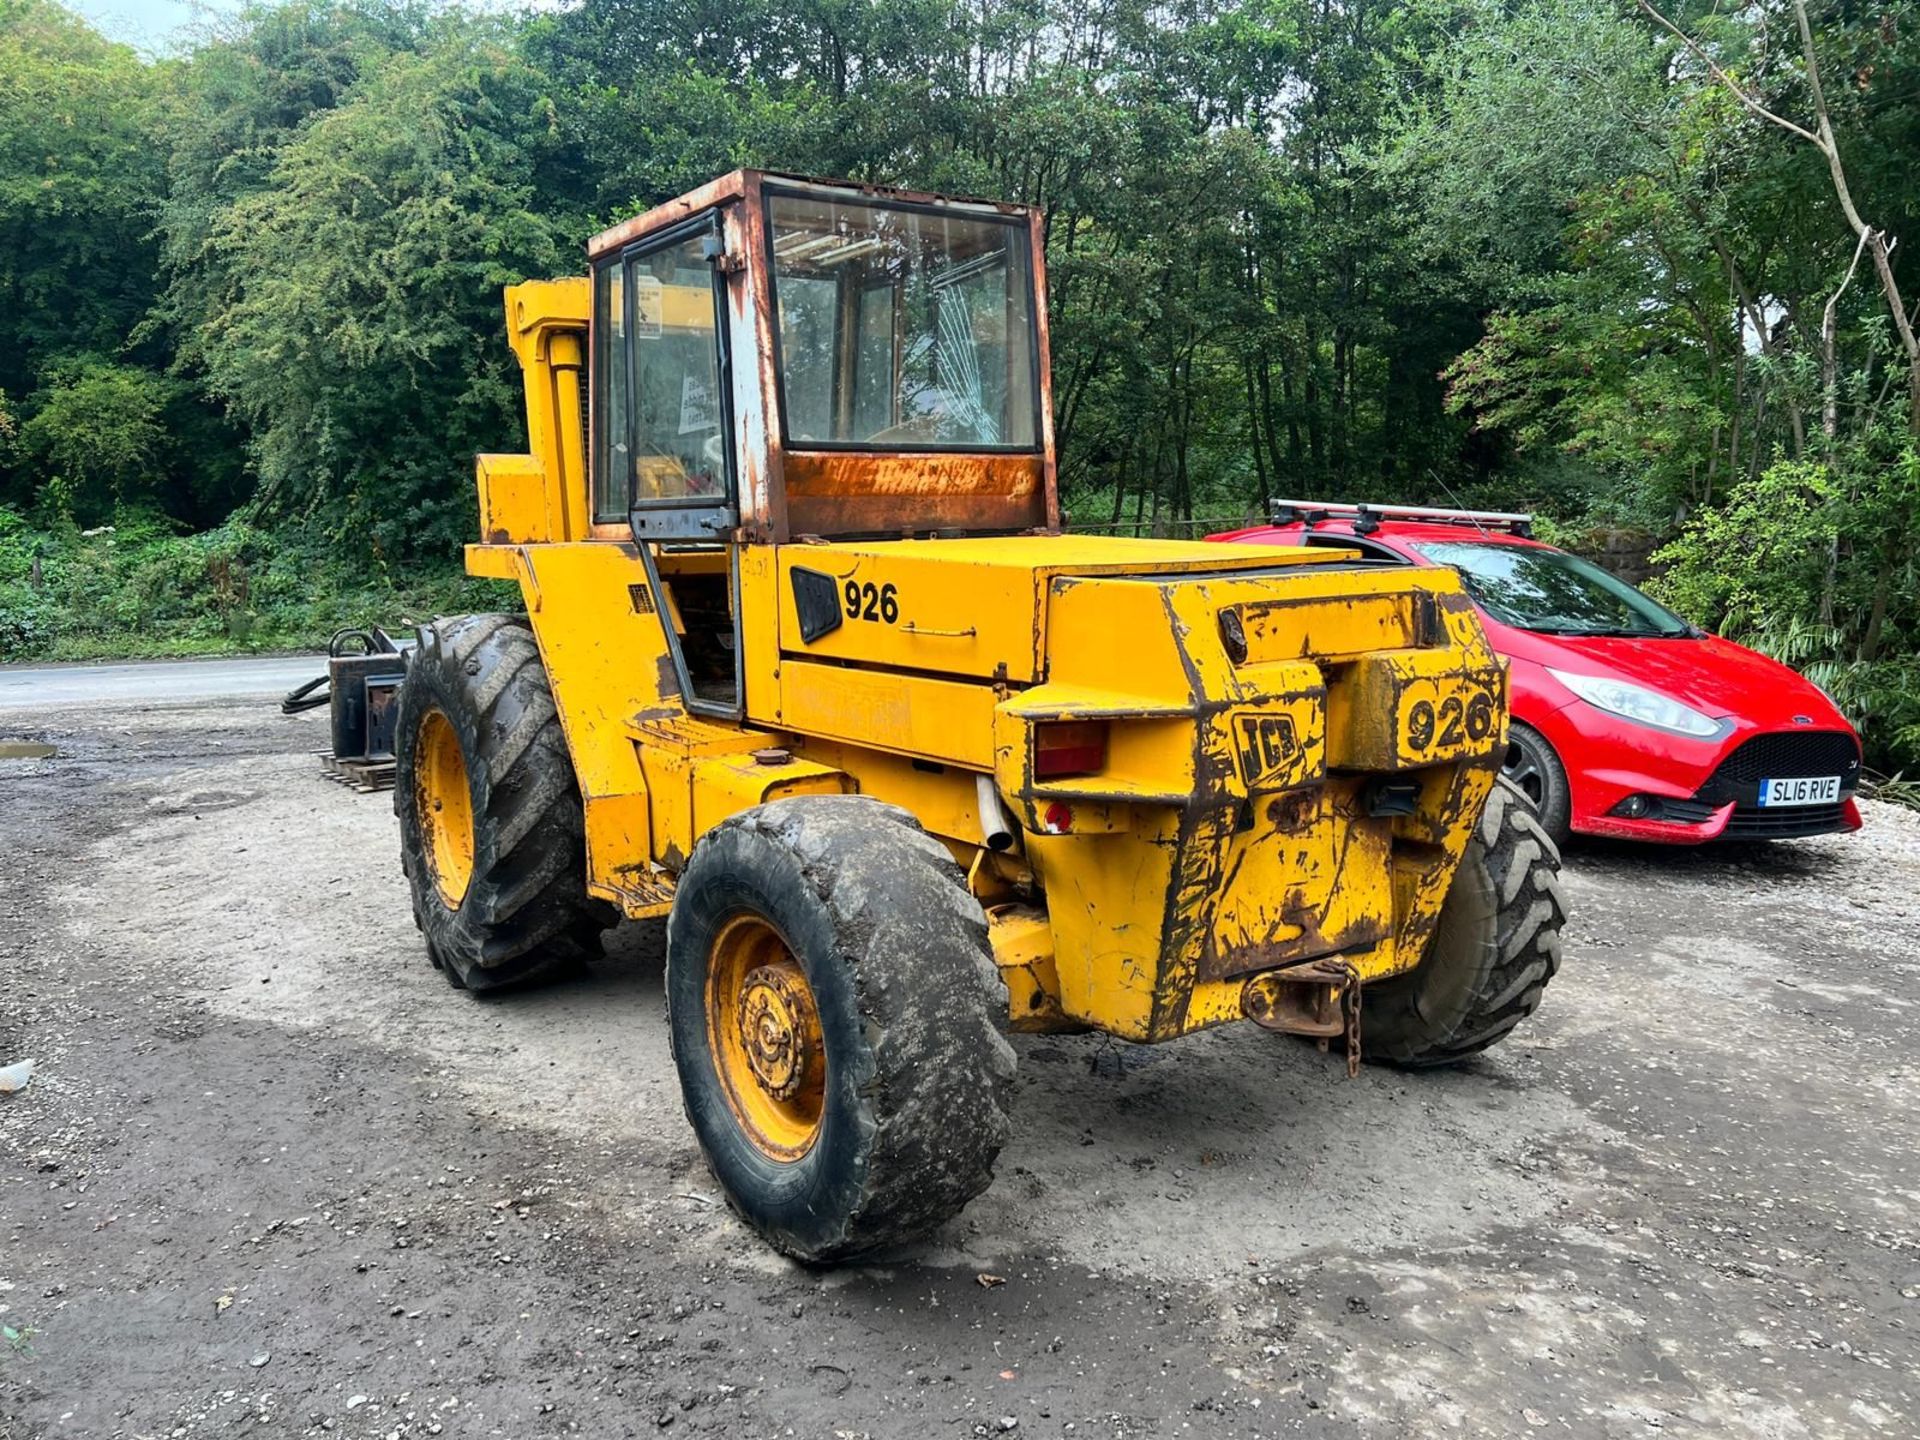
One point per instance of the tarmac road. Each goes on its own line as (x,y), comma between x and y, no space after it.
(34,686)
(273,1177)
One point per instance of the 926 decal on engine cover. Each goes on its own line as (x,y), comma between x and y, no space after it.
(872,602)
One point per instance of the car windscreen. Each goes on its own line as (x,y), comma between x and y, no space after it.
(1535,588)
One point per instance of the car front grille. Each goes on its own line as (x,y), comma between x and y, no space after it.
(1789,824)
(1781,755)
(1756,822)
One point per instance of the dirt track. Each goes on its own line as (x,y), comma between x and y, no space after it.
(274,1176)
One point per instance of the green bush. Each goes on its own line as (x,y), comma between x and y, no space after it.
(26,623)
(139,588)
(1807,563)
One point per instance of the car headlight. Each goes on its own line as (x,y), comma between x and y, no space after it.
(1639,704)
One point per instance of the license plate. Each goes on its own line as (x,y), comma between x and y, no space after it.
(1804,790)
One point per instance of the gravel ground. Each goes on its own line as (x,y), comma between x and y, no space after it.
(273,1176)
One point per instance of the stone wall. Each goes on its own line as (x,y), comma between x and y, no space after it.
(1624,552)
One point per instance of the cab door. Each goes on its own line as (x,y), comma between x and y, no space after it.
(664,447)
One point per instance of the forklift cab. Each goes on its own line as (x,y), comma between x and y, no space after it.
(772,359)
(786,358)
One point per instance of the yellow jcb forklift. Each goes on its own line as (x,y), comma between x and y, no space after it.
(808,666)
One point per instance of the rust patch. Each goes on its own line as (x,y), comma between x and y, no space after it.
(668,680)
(907,515)
(1304,1000)
(728,187)
(1294,810)
(835,493)
(1311,945)
(1043,336)
(835,473)
(643,886)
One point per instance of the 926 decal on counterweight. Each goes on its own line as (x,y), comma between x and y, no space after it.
(1451,722)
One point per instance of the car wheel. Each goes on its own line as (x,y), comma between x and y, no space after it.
(1535,771)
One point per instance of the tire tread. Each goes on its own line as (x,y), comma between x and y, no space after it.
(1522,866)
(527,914)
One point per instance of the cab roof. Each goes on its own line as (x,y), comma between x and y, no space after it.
(749,185)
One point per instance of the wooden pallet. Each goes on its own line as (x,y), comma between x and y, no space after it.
(366,776)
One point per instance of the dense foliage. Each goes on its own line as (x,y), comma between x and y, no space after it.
(1636,267)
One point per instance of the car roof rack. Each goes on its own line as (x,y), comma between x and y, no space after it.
(1366,516)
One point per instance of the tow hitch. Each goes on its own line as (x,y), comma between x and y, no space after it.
(1319,999)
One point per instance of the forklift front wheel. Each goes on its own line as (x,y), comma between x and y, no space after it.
(836,1018)
(492,837)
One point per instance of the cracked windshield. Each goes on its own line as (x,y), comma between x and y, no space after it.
(903,329)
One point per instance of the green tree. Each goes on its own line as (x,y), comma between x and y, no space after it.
(361,338)
(80,174)
(234,104)
(99,434)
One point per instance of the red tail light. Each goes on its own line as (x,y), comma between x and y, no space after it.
(1069,748)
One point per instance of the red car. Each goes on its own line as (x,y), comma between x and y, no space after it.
(1627,721)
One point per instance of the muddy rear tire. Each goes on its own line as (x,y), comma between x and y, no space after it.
(492,834)
(836,1021)
(1492,954)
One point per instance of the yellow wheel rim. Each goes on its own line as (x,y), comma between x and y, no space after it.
(445,806)
(763,1031)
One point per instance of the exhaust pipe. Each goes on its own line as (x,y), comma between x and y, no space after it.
(996,826)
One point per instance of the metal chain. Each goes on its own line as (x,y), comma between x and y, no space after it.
(1350,1010)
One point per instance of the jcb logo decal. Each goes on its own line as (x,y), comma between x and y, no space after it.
(1268,747)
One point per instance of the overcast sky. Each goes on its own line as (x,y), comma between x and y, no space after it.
(153,25)
(158,26)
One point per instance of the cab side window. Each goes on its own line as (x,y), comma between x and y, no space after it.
(612,461)
(657,357)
